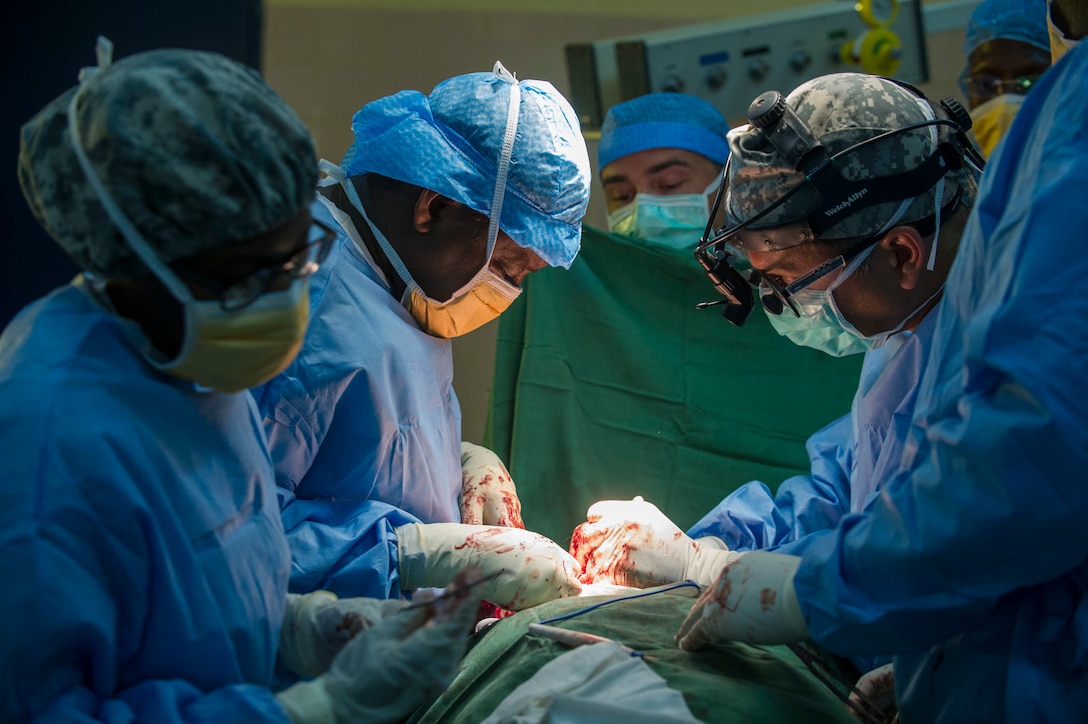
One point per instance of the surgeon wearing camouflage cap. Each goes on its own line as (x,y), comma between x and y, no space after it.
(142,553)
(442,205)
(852,259)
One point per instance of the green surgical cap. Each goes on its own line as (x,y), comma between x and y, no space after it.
(195,148)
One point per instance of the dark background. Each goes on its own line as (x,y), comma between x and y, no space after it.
(43,44)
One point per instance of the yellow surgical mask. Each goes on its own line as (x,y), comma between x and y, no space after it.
(991,120)
(233,351)
(474,305)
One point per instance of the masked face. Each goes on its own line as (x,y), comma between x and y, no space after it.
(233,351)
(821,325)
(675,220)
(992,119)
(481,300)
(660,194)
(228,351)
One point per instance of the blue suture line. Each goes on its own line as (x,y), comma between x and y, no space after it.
(633,596)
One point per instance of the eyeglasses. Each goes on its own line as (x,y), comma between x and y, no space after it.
(242,293)
(777,298)
(990,86)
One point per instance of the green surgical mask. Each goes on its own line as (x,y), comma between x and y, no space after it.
(818,326)
(676,221)
(822,326)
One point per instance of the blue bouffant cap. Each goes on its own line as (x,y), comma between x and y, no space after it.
(1023,20)
(450,142)
(663,120)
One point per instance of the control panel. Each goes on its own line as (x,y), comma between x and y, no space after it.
(731,62)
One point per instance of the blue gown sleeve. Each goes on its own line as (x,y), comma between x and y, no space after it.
(751,519)
(348,547)
(344,546)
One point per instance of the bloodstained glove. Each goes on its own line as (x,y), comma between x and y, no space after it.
(488,495)
(316,627)
(752,601)
(632,543)
(530,569)
(387,670)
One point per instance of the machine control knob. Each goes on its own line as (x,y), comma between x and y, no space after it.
(673,84)
(716,77)
(800,60)
(757,68)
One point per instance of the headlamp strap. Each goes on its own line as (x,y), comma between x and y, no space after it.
(843,197)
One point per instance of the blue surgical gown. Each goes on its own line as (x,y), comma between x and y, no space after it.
(142,560)
(972,564)
(364,427)
(849,458)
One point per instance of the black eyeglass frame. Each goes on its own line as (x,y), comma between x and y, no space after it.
(240,294)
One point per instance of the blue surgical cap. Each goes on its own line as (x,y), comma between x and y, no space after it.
(450,142)
(1023,20)
(663,120)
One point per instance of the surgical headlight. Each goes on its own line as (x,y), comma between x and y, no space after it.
(834,197)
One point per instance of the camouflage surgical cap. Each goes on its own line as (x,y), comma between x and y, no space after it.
(841,110)
(195,149)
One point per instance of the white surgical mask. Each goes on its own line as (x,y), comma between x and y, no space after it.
(676,220)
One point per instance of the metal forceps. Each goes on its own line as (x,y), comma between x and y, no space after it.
(834,681)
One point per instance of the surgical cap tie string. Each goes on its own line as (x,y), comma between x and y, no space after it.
(935,136)
(104,54)
(512,112)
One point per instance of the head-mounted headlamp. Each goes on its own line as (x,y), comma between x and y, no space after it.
(836,197)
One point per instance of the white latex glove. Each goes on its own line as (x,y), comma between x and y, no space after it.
(878,688)
(317,625)
(632,543)
(488,495)
(532,569)
(389,669)
(752,601)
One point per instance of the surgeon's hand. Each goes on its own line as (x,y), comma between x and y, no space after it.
(317,625)
(488,495)
(387,670)
(632,543)
(878,689)
(531,568)
(753,601)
